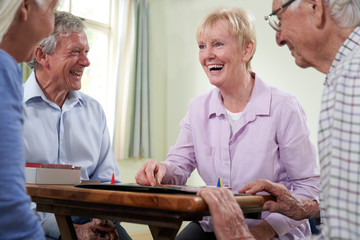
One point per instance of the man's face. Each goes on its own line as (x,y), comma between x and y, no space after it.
(68,62)
(296,33)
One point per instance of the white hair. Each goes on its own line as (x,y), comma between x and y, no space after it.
(8,10)
(346,13)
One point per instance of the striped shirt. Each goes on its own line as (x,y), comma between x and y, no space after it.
(339,144)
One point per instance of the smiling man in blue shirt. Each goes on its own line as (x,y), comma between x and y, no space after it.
(63,125)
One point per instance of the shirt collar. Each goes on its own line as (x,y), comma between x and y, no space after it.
(351,43)
(32,91)
(259,103)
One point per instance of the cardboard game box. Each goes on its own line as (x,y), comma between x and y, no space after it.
(47,173)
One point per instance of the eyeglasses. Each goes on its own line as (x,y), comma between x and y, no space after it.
(272,21)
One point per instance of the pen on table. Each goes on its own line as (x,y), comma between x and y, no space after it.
(219,184)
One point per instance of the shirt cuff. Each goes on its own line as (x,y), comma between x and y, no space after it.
(173,175)
(168,175)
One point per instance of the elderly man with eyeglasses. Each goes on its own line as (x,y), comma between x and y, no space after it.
(325,35)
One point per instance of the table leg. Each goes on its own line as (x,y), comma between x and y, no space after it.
(163,233)
(66,227)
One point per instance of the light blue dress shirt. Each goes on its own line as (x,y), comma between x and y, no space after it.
(75,134)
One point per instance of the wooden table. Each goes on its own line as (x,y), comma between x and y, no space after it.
(163,213)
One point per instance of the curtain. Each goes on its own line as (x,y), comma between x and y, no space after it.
(26,71)
(140,137)
(132,118)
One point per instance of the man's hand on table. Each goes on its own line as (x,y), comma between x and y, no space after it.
(97,229)
(227,217)
(286,203)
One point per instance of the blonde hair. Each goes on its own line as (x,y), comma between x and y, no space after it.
(8,10)
(241,25)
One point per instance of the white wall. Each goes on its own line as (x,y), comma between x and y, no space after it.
(176,69)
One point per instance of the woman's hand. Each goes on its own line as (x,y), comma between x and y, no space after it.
(150,173)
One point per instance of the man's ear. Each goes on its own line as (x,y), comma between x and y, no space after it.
(41,56)
(248,50)
(318,12)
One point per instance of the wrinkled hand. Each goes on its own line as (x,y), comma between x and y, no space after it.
(148,171)
(227,217)
(96,230)
(286,203)
(263,231)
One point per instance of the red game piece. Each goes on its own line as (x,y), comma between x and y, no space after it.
(113,179)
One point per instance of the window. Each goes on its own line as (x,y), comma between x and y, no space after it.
(99,80)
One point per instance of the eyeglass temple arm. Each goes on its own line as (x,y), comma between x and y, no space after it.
(282,7)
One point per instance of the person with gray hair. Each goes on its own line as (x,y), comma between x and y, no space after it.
(65,126)
(328,39)
(22,25)
(242,122)
(65,24)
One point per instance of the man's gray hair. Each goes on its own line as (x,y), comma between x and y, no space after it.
(65,24)
(346,13)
